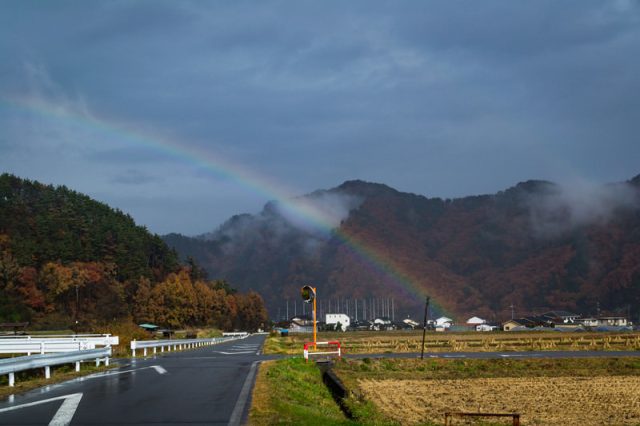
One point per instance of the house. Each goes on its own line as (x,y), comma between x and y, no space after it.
(486,327)
(301,324)
(605,321)
(614,321)
(411,323)
(511,324)
(339,322)
(561,317)
(528,322)
(443,323)
(475,321)
(383,323)
(151,328)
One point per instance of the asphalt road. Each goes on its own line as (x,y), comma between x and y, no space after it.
(210,385)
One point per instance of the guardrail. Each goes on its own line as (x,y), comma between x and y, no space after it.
(179,344)
(54,344)
(11,366)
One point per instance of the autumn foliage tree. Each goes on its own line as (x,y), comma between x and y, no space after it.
(69,261)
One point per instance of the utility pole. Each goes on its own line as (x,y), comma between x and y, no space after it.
(393,310)
(513,315)
(424,326)
(288,310)
(355,303)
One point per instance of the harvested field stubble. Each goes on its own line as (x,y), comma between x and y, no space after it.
(585,401)
(411,341)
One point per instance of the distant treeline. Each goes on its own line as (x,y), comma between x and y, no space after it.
(65,258)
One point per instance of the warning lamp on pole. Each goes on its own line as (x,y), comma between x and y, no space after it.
(308,294)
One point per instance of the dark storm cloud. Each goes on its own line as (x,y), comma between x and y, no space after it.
(437,98)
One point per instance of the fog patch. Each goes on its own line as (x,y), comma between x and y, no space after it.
(319,212)
(562,208)
(303,223)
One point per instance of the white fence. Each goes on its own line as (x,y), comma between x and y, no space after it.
(54,344)
(179,344)
(11,366)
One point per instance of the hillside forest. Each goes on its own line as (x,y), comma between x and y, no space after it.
(69,261)
(534,247)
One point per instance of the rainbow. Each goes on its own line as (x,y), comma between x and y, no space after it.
(220,166)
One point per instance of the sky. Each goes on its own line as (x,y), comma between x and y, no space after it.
(184,113)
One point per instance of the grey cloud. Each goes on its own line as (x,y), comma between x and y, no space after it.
(564,207)
(129,155)
(134,177)
(437,98)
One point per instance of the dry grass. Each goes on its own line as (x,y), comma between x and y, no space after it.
(581,401)
(411,341)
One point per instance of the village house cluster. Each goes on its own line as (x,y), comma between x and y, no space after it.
(552,320)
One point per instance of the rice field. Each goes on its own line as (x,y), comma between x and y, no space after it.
(581,392)
(585,401)
(403,341)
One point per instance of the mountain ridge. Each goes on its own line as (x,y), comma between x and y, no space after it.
(535,244)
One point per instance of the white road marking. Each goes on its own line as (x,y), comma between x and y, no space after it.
(509,356)
(454,356)
(238,410)
(159,369)
(66,411)
(233,353)
(64,414)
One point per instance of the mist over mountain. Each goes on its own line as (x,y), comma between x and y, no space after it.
(537,245)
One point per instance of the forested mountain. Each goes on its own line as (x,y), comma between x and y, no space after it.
(537,246)
(65,258)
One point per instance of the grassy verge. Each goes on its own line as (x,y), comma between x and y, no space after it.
(33,379)
(291,392)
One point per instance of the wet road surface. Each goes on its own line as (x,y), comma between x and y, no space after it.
(210,385)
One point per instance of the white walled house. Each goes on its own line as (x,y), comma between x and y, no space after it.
(334,319)
(475,321)
(411,323)
(486,327)
(443,323)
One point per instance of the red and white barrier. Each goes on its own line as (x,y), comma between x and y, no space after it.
(333,345)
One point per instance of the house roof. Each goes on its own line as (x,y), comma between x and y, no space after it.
(560,314)
(532,321)
(148,326)
(476,320)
